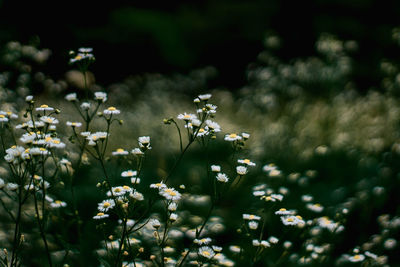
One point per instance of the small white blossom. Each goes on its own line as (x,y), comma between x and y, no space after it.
(85,106)
(128,173)
(111,110)
(206,252)
(241,170)
(100,96)
(357,258)
(247,162)
(105,205)
(173,217)
(120,152)
(170,194)
(253,225)
(251,217)
(222,177)
(186,117)
(203,241)
(204,97)
(232,137)
(58,204)
(215,168)
(74,124)
(100,215)
(44,108)
(71,97)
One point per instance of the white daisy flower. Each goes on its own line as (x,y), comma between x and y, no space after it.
(137,152)
(241,170)
(253,225)
(120,152)
(173,217)
(232,137)
(265,244)
(85,134)
(284,211)
(71,97)
(213,126)
(100,96)
(144,141)
(85,106)
(204,97)
(269,167)
(251,217)
(170,194)
(3,118)
(100,215)
(222,177)
(44,108)
(215,168)
(216,248)
(58,204)
(247,162)
(172,206)
(186,117)
(159,185)
(357,258)
(273,240)
(206,252)
(2,183)
(292,220)
(203,241)
(105,205)
(136,195)
(29,98)
(245,136)
(235,248)
(74,124)
(315,207)
(111,110)
(128,173)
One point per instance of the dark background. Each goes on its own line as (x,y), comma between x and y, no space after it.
(134,37)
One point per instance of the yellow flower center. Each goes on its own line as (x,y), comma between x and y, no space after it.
(56,142)
(126,187)
(78,57)
(42,149)
(282,209)
(106,204)
(58,201)
(289,219)
(2,116)
(201,130)
(247,161)
(357,257)
(233,135)
(100,214)
(112,109)
(187,116)
(44,106)
(120,150)
(206,253)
